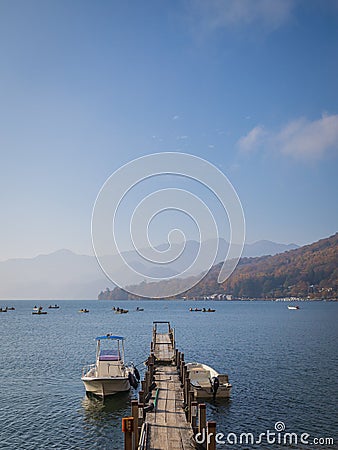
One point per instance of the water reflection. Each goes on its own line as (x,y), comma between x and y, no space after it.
(96,409)
(102,421)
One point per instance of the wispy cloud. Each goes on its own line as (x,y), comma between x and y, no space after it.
(304,139)
(215,14)
(301,139)
(252,140)
(182,137)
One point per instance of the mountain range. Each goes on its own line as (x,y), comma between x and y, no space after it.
(66,275)
(309,272)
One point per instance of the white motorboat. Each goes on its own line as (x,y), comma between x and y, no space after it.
(207,383)
(293,307)
(109,375)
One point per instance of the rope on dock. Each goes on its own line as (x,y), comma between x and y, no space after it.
(143,437)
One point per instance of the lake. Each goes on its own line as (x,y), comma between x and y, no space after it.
(282,365)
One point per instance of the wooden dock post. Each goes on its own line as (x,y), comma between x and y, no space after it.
(141,396)
(147,383)
(140,416)
(184,374)
(144,388)
(186,388)
(127,428)
(134,413)
(202,417)
(178,363)
(151,373)
(211,435)
(181,366)
(193,416)
(190,402)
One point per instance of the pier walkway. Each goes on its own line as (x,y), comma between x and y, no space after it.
(168,427)
(166,417)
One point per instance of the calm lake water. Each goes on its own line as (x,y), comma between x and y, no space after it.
(282,364)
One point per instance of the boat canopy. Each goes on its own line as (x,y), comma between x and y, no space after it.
(110,336)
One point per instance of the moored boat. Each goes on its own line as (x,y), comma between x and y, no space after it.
(53,306)
(84,310)
(293,307)
(109,375)
(38,310)
(206,382)
(121,311)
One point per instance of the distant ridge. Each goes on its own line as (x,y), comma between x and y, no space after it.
(310,272)
(66,275)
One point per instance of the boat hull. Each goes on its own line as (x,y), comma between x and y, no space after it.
(201,379)
(205,393)
(103,387)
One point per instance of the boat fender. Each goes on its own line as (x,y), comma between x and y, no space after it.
(132,380)
(152,386)
(137,374)
(148,397)
(214,385)
(149,407)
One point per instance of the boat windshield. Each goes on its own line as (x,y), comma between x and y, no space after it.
(109,355)
(105,352)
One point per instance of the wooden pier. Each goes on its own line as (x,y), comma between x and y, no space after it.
(166,417)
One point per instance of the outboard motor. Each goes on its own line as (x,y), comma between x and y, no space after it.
(137,374)
(214,386)
(132,380)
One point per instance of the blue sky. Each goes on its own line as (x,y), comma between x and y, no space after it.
(250,86)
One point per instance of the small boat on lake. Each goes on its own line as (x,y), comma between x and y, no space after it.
(84,310)
(120,310)
(293,307)
(206,382)
(195,309)
(3,310)
(139,309)
(109,375)
(38,310)
(10,308)
(208,310)
(53,306)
